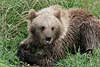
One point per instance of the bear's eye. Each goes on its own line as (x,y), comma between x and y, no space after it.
(42,28)
(52,28)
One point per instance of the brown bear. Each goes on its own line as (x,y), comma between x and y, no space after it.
(53,30)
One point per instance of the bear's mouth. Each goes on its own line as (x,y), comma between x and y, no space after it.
(48,42)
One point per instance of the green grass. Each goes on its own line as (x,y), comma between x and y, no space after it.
(13,29)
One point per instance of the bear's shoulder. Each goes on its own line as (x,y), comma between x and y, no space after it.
(79,13)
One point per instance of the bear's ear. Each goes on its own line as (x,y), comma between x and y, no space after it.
(32,14)
(58,14)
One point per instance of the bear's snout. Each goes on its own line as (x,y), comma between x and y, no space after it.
(48,39)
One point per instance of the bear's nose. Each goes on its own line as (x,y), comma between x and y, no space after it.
(48,38)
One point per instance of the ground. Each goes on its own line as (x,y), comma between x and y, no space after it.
(13,29)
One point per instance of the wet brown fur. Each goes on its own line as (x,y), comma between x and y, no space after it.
(82,32)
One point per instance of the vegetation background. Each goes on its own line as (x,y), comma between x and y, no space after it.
(13,29)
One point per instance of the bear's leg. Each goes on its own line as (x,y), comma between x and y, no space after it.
(25,50)
(25,54)
(43,60)
(88,40)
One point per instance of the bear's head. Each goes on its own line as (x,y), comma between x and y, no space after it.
(46,28)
